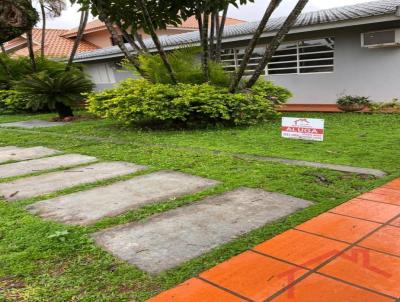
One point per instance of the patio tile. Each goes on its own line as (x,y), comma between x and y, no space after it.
(396,222)
(322,289)
(42,164)
(395,184)
(301,248)
(386,191)
(369,210)
(386,240)
(385,197)
(339,227)
(18,154)
(173,237)
(367,268)
(55,181)
(89,206)
(195,290)
(253,276)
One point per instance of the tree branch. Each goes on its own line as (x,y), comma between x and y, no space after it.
(273,45)
(238,75)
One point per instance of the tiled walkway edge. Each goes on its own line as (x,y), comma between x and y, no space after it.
(351,253)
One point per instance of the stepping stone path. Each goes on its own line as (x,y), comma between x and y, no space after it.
(92,205)
(17,154)
(37,165)
(176,236)
(32,124)
(52,182)
(341,168)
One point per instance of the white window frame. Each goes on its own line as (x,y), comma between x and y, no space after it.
(298,60)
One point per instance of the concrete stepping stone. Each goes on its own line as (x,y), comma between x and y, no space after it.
(51,182)
(18,154)
(171,238)
(42,164)
(90,206)
(32,124)
(341,168)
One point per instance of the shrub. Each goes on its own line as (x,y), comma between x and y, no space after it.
(351,103)
(350,100)
(12,101)
(20,67)
(54,89)
(186,65)
(141,102)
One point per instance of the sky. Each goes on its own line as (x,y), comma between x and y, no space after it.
(250,12)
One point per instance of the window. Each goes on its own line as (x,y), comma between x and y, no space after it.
(232,58)
(302,57)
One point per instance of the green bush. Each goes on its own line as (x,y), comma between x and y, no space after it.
(48,88)
(12,101)
(20,67)
(141,102)
(353,100)
(186,64)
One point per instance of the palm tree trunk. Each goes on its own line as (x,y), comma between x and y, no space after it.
(79,35)
(220,32)
(30,49)
(157,43)
(273,45)
(43,40)
(273,5)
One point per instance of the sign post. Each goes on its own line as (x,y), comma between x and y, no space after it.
(303,128)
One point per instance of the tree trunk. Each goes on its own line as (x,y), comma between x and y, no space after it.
(157,43)
(130,40)
(63,110)
(43,39)
(79,35)
(30,49)
(205,54)
(140,41)
(16,18)
(238,75)
(220,33)
(273,45)
(212,35)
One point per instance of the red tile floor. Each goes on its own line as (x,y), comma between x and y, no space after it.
(349,254)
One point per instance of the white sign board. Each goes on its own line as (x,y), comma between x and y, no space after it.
(303,128)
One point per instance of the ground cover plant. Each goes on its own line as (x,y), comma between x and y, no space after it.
(46,261)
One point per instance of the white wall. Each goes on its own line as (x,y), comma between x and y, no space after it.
(358,71)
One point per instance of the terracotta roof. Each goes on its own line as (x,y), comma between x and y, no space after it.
(55,44)
(190,23)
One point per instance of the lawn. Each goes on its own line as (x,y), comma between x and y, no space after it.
(46,261)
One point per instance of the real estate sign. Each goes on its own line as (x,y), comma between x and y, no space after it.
(303,128)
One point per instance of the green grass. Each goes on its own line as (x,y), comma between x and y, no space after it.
(47,261)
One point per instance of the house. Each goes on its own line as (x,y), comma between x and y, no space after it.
(59,42)
(353,49)
(97,33)
(55,44)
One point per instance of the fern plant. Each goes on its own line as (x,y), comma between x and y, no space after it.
(57,90)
